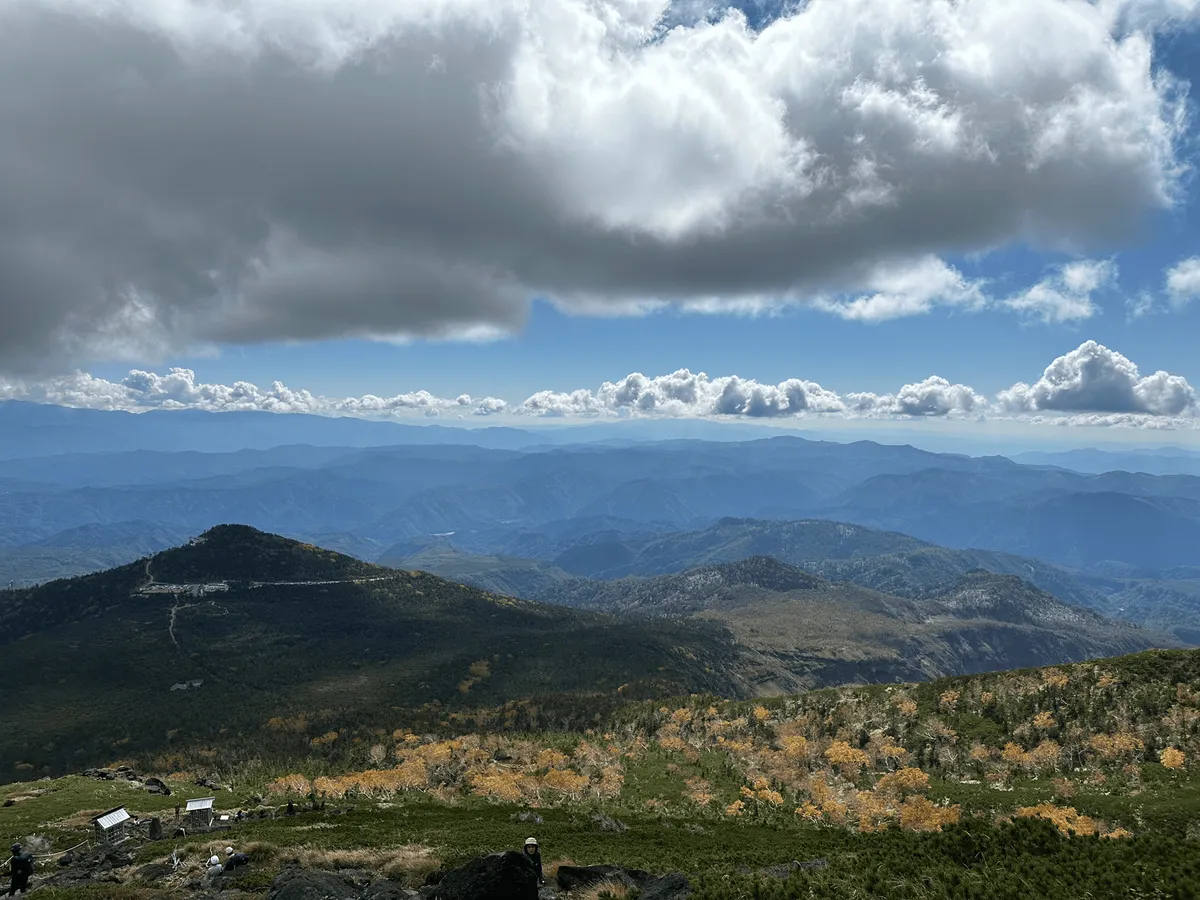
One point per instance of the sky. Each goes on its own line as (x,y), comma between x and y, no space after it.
(870,211)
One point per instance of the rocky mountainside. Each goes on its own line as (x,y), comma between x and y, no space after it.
(696,590)
(884,560)
(796,630)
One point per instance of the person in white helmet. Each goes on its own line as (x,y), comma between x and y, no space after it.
(534,855)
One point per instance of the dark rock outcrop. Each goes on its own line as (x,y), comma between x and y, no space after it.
(500,876)
(387,890)
(572,878)
(669,887)
(153,872)
(650,887)
(303,884)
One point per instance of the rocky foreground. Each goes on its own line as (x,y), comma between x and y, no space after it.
(500,876)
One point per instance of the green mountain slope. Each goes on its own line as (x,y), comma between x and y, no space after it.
(510,575)
(884,560)
(89,665)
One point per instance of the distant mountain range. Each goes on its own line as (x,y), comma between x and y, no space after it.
(1120,541)
(383,496)
(1163,461)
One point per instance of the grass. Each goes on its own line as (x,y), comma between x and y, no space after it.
(408,837)
(664,758)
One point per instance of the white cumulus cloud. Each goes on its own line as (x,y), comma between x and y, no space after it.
(1066,296)
(908,290)
(179,389)
(1183,282)
(1096,380)
(683,393)
(1091,385)
(935,396)
(184,173)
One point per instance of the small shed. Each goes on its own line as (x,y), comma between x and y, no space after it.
(112,827)
(200,812)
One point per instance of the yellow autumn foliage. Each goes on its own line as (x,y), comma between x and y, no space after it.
(910,780)
(1066,819)
(1172,758)
(919,813)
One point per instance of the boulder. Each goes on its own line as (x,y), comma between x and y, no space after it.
(650,887)
(114,859)
(153,872)
(669,887)
(303,884)
(500,876)
(387,890)
(571,878)
(157,786)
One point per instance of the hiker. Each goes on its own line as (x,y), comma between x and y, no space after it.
(235,859)
(291,809)
(534,856)
(20,870)
(214,867)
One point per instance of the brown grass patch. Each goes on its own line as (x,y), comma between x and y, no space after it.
(411,862)
(550,869)
(603,890)
(83,818)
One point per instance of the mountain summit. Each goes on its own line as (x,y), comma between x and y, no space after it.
(242,553)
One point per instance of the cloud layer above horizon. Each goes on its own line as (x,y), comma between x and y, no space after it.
(181,173)
(1091,385)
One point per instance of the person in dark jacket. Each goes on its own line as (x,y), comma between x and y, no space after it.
(534,855)
(20,870)
(235,859)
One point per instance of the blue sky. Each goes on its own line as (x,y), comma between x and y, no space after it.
(249,276)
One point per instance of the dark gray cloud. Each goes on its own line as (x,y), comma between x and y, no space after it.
(189,171)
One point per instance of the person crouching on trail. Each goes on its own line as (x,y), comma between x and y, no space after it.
(20,870)
(534,855)
(235,860)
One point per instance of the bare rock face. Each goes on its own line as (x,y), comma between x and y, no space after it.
(500,876)
(304,884)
